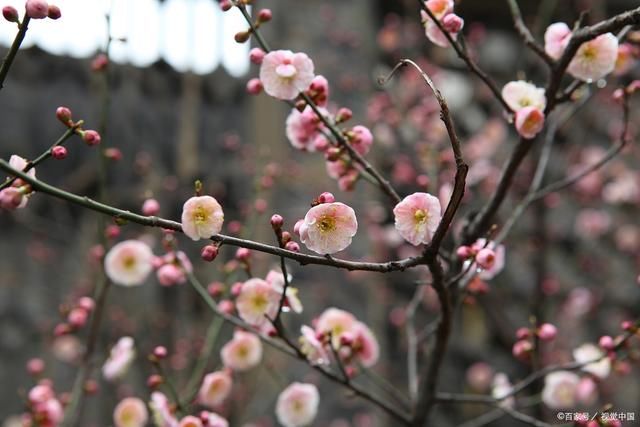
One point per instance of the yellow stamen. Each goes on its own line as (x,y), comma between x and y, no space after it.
(326,223)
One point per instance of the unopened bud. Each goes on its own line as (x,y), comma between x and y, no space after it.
(10,14)
(59,152)
(265,15)
(209,253)
(242,36)
(90,137)
(54,12)
(64,115)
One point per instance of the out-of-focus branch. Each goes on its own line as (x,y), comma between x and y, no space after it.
(526,35)
(471,64)
(153,221)
(412,343)
(13,50)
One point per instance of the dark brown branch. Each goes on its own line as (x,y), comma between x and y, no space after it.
(526,35)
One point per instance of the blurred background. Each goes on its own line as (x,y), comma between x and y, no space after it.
(174,105)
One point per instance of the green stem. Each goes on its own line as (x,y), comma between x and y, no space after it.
(8,59)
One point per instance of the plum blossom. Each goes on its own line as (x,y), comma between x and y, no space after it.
(560,389)
(556,38)
(601,364)
(128,263)
(498,262)
(285,74)
(595,58)
(520,94)
(190,421)
(243,352)
(502,387)
(335,322)
(44,405)
(361,139)
(365,345)
(161,411)
(303,129)
(120,358)
(258,300)
(130,412)
(202,217)
(297,405)
(417,217)
(276,279)
(311,346)
(17,195)
(443,12)
(215,388)
(216,420)
(328,228)
(529,122)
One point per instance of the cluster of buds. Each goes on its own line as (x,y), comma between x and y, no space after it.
(527,339)
(172,268)
(284,237)
(90,137)
(483,255)
(76,316)
(34,9)
(45,408)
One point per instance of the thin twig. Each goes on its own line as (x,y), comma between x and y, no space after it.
(526,35)
(15,46)
(412,343)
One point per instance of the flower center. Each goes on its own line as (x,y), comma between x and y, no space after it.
(420,216)
(589,53)
(326,224)
(200,215)
(129,262)
(259,302)
(525,102)
(286,71)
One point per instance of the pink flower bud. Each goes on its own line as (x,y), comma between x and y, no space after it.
(77,317)
(209,253)
(236,288)
(326,197)
(343,115)
(10,198)
(529,122)
(261,205)
(332,154)
(464,252)
(523,333)
(452,23)
(61,329)
(54,12)
(35,366)
(215,289)
(243,254)
(256,55)
(100,62)
(277,221)
(296,227)
(10,14)
(169,275)
(160,352)
(150,207)
(91,137)
(37,9)
(225,5)
(112,231)
(86,303)
(606,342)
(292,246)
(113,154)
(226,306)
(486,258)
(521,349)
(265,15)
(286,237)
(254,87)
(154,381)
(59,152)
(64,115)
(547,332)
(422,181)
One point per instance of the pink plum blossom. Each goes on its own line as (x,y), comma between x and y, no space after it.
(303,128)
(443,12)
(417,217)
(361,139)
(319,91)
(600,365)
(190,421)
(285,74)
(595,58)
(365,345)
(502,387)
(520,94)
(529,122)
(336,322)
(216,420)
(243,352)
(560,389)
(215,388)
(498,262)
(44,405)
(556,38)
(202,217)
(328,227)
(130,412)
(161,410)
(276,279)
(37,9)
(297,405)
(120,358)
(311,346)
(128,263)
(258,300)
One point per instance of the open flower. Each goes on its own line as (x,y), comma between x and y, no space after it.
(443,11)
(560,389)
(285,74)
(335,322)
(202,217)
(556,38)
(601,364)
(258,300)
(161,411)
(595,58)
(120,358)
(365,345)
(129,263)
(417,217)
(130,412)
(243,352)
(529,122)
(304,128)
(215,388)
(297,405)
(328,227)
(520,94)
(292,301)
(311,346)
